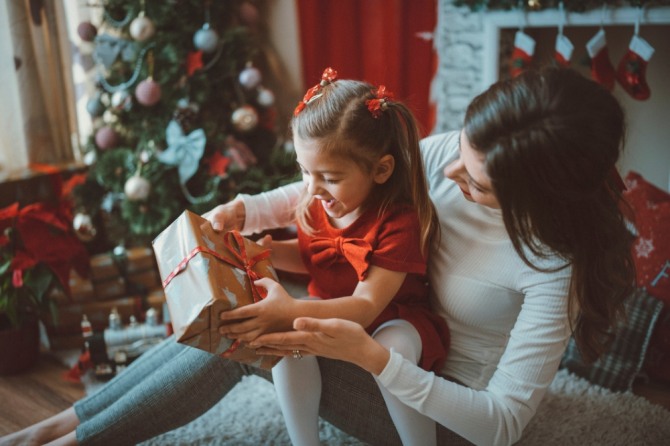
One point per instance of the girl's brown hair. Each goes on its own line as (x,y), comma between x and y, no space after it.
(551,140)
(340,121)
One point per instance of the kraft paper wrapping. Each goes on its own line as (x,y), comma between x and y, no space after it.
(200,280)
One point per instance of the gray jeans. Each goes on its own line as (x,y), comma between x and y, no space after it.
(140,403)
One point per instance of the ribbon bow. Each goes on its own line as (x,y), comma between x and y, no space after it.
(108,48)
(328,76)
(235,244)
(380,102)
(183,151)
(327,251)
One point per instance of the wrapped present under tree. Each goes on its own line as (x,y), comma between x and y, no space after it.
(205,273)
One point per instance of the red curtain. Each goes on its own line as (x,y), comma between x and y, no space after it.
(378,41)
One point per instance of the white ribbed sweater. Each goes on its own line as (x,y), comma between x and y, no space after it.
(508,322)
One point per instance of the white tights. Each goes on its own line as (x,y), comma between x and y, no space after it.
(298,386)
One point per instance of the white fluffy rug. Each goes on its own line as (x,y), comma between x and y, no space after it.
(573,413)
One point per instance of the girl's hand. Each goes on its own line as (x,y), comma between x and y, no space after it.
(274,313)
(228,216)
(331,338)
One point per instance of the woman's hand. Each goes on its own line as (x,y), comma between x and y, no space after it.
(331,338)
(228,216)
(274,313)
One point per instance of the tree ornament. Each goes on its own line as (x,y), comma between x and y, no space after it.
(534,4)
(122,100)
(90,158)
(245,118)
(522,55)
(148,92)
(87,31)
(183,151)
(602,70)
(94,106)
(631,72)
(142,28)
(83,226)
(265,98)
(206,39)
(137,188)
(107,138)
(249,14)
(250,77)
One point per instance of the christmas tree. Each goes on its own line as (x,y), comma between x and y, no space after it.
(183,115)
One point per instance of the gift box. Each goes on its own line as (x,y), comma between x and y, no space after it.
(131,274)
(204,273)
(69,316)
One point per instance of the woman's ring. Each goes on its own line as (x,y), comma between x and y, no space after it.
(296,354)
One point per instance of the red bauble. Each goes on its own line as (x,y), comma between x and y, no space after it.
(107,138)
(148,92)
(87,31)
(249,14)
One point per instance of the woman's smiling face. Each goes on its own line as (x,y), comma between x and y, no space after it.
(469,172)
(341,185)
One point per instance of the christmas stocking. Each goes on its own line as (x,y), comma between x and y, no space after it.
(563,51)
(524,48)
(602,70)
(632,68)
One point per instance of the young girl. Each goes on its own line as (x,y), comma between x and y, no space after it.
(365,221)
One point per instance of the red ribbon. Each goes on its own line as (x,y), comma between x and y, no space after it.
(326,251)
(240,260)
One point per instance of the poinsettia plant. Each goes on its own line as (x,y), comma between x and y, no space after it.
(38,250)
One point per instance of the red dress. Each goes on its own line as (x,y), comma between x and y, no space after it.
(337,259)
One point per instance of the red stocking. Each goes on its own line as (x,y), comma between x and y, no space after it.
(632,68)
(524,48)
(563,51)
(602,70)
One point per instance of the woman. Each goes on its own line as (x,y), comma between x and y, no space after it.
(532,232)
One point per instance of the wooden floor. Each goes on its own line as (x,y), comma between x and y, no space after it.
(35,395)
(42,392)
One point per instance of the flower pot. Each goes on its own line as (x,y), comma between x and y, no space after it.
(19,347)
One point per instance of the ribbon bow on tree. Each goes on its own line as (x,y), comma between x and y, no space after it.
(327,251)
(184,151)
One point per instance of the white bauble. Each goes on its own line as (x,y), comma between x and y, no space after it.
(250,78)
(142,28)
(137,188)
(265,98)
(206,39)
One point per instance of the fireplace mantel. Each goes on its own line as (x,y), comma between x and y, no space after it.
(493,22)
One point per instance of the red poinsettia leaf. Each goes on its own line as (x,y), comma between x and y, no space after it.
(73,182)
(23,260)
(43,213)
(7,216)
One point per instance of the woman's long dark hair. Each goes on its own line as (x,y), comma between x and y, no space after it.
(551,140)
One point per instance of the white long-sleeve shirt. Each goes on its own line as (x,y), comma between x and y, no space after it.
(509,324)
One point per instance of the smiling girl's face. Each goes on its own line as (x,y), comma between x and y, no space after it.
(469,173)
(341,185)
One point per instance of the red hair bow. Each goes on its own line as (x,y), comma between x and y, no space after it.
(327,251)
(379,103)
(328,76)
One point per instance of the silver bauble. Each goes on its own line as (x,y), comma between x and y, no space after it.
(250,78)
(137,188)
(142,28)
(206,39)
(265,98)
